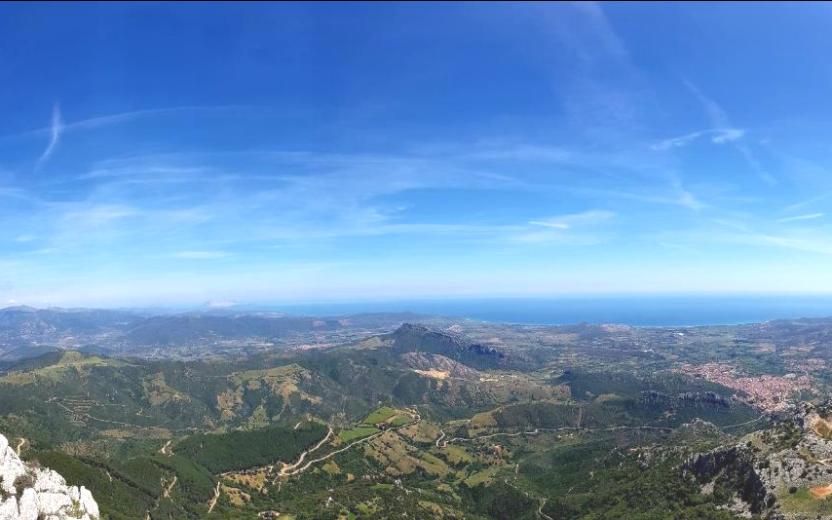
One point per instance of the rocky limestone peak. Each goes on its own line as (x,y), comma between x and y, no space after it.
(28,492)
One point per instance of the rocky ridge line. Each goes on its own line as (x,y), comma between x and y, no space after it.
(29,492)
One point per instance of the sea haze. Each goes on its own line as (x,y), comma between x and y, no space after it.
(629,310)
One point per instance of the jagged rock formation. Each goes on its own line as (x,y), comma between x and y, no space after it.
(734,467)
(28,492)
(418,338)
(781,472)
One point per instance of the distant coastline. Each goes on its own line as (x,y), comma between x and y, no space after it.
(653,311)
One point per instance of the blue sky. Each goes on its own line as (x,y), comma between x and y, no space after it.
(167,154)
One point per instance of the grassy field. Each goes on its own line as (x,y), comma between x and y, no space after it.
(802,501)
(356,433)
(380,415)
(400,458)
(482,477)
(456,455)
(401,420)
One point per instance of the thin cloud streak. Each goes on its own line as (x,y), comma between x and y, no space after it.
(809,216)
(122,117)
(125,117)
(716,135)
(808,202)
(55,130)
(719,119)
(571,220)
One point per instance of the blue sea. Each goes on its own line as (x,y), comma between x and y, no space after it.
(629,310)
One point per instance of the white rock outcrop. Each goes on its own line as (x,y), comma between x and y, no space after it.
(32,493)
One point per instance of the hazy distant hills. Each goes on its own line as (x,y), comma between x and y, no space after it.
(190,328)
(27,332)
(30,321)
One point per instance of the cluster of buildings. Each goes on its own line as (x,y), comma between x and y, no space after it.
(769,393)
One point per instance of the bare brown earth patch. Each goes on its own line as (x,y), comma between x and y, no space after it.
(822,427)
(821,492)
(433,374)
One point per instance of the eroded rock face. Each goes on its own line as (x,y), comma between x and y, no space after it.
(734,467)
(31,493)
(762,472)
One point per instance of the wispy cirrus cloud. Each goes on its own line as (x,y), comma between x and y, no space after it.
(596,107)
(807,216)
(748,231)
(714,135)
(126,117)
(807,202)
(616,116)
(807,244)
(573,228)
(719,119)
(719,235)
(574,219)
(102,121)
(56,128)
(100,214)
(300,196)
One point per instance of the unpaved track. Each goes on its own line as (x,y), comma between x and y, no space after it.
(762,416)
(166,489)
(439,440)
(285,472)
(86,415)
(542,500)
(444,443)
(328,455)
(213,502)
(169,487)
(165,450)
(289,468)
(537,431)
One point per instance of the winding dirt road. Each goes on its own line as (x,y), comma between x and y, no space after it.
(288,469)
(213,503)
(169,487)
(439,440)
(441,443)
(328,455)
(165,450)
(540,510)
(295,470)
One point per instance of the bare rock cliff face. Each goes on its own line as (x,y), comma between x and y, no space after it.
(735,468)
(32,493)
